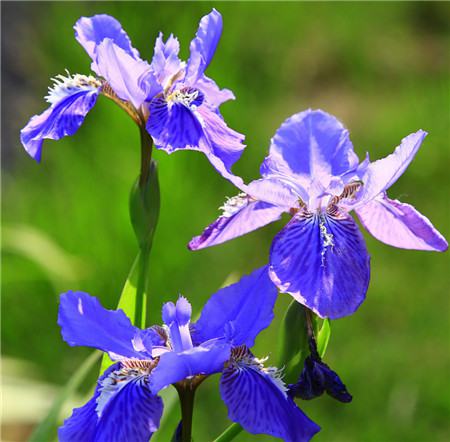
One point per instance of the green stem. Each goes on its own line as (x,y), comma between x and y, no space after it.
(187,409)
(146,155)
(230,433)
(140,311)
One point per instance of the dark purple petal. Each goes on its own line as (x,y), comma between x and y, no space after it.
(400,225)
(316,379)
(132,414)
(382,174)
(258,403)
(173,127)
(174,367)
(250,216)
(125,74)
(323,263)
(91,31)
(81,426)
(62,118)
(85,322)
(203,46)
(310,145)
(240,311)
(165,63)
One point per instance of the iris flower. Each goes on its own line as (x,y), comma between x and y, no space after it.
(177,103)
(313,173)
(126,405)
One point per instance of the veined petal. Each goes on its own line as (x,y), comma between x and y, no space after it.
(382,174)
(85,322)
(123,73)
(249,215)
(81,426)
(240,311)
(256,401)
(400,225)
(203,46)
(310,145)
(173,367)
(91,31)
(133,413)
(62,118)
(322,261)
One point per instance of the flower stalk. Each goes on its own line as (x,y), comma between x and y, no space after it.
(186,395)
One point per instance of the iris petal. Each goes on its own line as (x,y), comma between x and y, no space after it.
(91,31)
(310,145)
(400,225)
(84,321)
(323,263)
(256,402)
(174,367)
(240,311)
(165,62)
(203,46)
(81,426)
(61,119)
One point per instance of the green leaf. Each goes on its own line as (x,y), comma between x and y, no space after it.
(46,430)
(323,337)
(293,342)
(230,433)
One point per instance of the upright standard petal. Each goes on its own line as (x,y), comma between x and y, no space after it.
(62,118)
(91,31)
(132,414)
(82,425)
(259,403)
(125,74)
(202,360)
(203,46)
(165,63)
(322,261)
(400,225)
(382,174)
(240,311)
(85,322)
(310,145)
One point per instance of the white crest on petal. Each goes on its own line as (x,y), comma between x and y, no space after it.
(234,204)
(64,85)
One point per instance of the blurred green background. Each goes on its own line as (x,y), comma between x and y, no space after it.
(382,68)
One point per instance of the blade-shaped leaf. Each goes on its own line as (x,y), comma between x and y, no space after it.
(323,337)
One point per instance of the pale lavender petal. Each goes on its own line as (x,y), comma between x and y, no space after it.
(203,46)
(257,402)
(250,215)
(322,261)
(240,311)
(91,31)
(381,174)
(174,367)
(85,322)
(400,225)
(310,144)
(213,94)
(63,118)
(165,63)
(122,72)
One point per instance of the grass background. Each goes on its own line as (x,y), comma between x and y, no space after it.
(382,68)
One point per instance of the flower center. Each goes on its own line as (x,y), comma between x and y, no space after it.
(234,204)
(187,96)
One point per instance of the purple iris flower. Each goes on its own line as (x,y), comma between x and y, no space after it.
(313,174)
(175,100)
(126,405)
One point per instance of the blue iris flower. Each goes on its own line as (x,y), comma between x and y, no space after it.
(175,100)
(126,405)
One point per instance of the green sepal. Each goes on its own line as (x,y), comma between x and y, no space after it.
(293,342)
(144,206)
